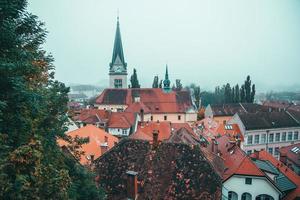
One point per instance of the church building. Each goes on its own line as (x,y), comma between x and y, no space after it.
(151,104)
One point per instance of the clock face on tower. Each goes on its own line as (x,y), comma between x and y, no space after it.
(118,69)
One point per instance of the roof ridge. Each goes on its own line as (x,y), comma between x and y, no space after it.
(292,116)
(243,107)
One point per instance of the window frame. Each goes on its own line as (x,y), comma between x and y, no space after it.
(248,139)
(248,181)
(271,136)
(277,137)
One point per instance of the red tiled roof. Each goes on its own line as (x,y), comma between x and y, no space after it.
(209,128)
(233,131)
(154,99)
(177,126)
(121,120)
(96,138)
(136,107)
(145,130)
(235,160)
(92,115)
(292,156)
(263,155)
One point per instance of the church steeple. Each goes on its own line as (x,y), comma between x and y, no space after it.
(167,82)
(118,66)
(118,55)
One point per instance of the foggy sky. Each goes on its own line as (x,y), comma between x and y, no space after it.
(206,42)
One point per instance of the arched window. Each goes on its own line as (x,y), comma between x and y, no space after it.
(246,196)
(232,195)
(264,197)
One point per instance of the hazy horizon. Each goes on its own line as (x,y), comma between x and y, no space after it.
(208,43)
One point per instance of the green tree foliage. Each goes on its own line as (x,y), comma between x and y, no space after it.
(178,86)
(155,83)
(33,110)
(134,80)
(160,84)
(247,86)
(227,94)
(252,93)
(242,94)
(237,94)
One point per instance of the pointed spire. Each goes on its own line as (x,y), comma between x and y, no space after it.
(118,48)
(167,81)
(167,74)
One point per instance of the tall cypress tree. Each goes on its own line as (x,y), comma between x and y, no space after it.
(248,89)
(227,93)
(134,80)
(242,94)
(252,93)
(237,94)
(233,95)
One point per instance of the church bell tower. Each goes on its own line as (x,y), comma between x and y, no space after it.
(118,66)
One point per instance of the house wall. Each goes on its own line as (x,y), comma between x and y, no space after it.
(113,108)
(267,144)
(208,112)
(222,119)
(118,131)
(172,117)
(259,186)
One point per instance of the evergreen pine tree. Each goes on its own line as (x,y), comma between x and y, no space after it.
(155,82)
(33,116)
(134,80)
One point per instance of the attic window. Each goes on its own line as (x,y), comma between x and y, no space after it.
(295,150)
(248,181)
(228,127)
(156,108)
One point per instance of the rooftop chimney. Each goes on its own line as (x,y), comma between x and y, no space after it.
(104,147)
(92,158)
(142,115)
(155,138)
(238,142)
(214,146)
(283,158)
(256,154)
(132,190)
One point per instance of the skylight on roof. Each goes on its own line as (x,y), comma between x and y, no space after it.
(228,127)
(295,149)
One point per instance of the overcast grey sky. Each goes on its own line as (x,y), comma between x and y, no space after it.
(208,42)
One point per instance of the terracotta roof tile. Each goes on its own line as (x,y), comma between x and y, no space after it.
(154,99)
(263,155)
(96,137)
(121,120)
(235,160)
(147,128)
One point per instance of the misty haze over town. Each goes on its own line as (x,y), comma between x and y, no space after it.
(140,100)
(209,43)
